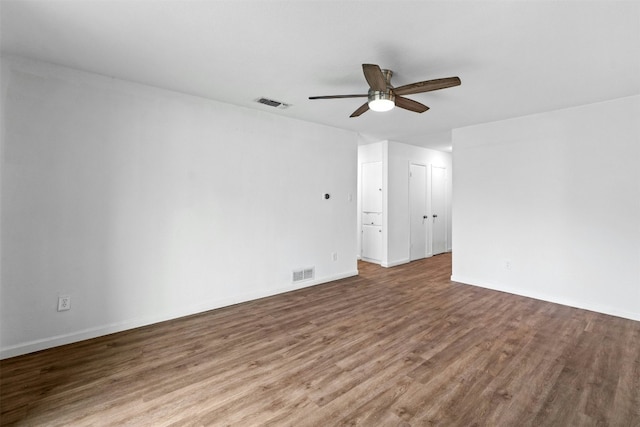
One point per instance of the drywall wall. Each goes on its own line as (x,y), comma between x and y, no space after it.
(145,205)
(400,156)
(548,206)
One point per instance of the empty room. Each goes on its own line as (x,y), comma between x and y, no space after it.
(319,213)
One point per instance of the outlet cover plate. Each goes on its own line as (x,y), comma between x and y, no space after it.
(64,303)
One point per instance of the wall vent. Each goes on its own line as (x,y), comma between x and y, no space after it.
(304,274)
(272,103)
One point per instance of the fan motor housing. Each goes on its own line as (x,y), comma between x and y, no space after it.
(376,95)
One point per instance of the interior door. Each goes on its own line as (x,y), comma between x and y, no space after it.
(372,187)
(438,210)
(372,243)
(418,224)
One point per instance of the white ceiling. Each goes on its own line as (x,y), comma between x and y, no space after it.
(514,57)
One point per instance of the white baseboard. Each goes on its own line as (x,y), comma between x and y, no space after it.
(394,263)
(89,333)
(612,311)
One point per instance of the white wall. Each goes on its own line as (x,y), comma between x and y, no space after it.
(400,156)
(556,196)
(145,205)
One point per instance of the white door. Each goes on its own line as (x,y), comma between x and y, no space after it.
(438,210)
(418,211)
(372,242)
(372,187)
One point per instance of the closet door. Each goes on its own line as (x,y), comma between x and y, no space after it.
(438,210)
(372,211)
(372,242)
(418,219)
(372,187)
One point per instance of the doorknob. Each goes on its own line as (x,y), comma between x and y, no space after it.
(425,216)
(435,216)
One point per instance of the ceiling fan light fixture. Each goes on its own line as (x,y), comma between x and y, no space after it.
(382,95)
(381,101)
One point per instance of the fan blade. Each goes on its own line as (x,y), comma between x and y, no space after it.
(427,86)
(410,104)
(374,77)
(338,96)
(364,107)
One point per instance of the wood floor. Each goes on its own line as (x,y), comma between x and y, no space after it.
(393,347)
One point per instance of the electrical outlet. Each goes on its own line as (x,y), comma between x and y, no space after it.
(64,303)
(507,264)
(334,256)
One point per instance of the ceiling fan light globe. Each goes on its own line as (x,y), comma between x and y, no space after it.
(381,105)
(381,101)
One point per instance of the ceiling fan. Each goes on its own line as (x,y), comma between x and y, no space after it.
(382,96)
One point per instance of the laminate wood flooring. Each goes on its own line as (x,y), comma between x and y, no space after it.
(403,346)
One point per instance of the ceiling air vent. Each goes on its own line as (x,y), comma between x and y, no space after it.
(272,103)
